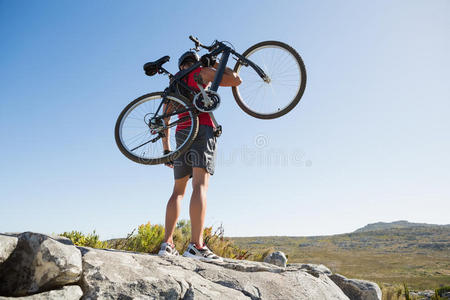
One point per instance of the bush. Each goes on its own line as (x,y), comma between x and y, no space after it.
(225,247)
(182,235)
(436,296)
(441,291)
(407,296)
(90,240)
(149,238)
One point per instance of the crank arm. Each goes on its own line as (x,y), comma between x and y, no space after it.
(208,101)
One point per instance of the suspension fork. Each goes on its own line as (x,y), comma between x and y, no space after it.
(246,62)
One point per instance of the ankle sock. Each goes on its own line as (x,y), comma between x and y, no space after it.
(199,247)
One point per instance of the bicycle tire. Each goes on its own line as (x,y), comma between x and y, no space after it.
(118,130)
(291,103)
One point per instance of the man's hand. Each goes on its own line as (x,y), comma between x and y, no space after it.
(169,163)
(208,60)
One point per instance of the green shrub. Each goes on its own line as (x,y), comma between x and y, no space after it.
(182,235)
(225,247)
(149,238)
(90,240)
(260,255)
(391,291)
(407,296)
(438,293)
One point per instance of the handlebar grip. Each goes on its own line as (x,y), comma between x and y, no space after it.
(195,40)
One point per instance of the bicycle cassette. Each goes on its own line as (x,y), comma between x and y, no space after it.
(206,105)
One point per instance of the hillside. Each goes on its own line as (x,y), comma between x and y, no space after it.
(418,255)
(396,224)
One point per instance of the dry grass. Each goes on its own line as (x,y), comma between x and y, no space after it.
(420,257)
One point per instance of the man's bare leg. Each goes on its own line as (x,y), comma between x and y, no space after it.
(197,207)
(173,207)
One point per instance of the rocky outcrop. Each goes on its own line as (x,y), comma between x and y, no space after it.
(357,289)
(43,267)
(277,258)
(70,292)
(38,263)
(110,274)
(315,270)
(7,246)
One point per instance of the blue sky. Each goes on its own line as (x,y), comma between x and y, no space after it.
(368,142)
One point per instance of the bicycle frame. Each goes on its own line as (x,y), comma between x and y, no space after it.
(217,49)
(221,48)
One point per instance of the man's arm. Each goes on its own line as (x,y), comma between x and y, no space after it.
(229,78)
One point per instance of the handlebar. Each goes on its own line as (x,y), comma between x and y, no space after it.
(194,39)
(198,44)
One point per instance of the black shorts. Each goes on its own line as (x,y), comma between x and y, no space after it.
(201,154)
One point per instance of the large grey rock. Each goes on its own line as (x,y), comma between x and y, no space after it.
(7,246)
(39,263)
(277,258)
(70,292)
(357,289)
(61,239)
(112,274)
(314,269)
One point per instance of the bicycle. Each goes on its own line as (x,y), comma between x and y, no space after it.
(269,67)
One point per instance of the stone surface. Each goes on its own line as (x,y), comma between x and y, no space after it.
(70,292)
(61,239)
(38,266)
(112,274)
(315,270)
(277,258)
(7,246)
(39,263)
(357,289)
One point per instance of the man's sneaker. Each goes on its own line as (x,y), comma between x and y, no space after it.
(168,250)
(201,253)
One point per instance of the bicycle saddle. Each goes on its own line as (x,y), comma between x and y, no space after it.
(151,68)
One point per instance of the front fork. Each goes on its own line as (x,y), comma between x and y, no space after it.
(246,62)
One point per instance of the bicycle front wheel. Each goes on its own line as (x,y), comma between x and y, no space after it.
(277,96)
(141,127)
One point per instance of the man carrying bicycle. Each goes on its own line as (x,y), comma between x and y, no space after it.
(197,162)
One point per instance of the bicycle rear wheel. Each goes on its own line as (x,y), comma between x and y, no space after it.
(287,74)
(138,129)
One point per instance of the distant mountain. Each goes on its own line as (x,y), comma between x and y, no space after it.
(395,225)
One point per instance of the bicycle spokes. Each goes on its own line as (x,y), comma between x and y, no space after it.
(268,97)
(144,129)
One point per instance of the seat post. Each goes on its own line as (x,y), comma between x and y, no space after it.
(164,71)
